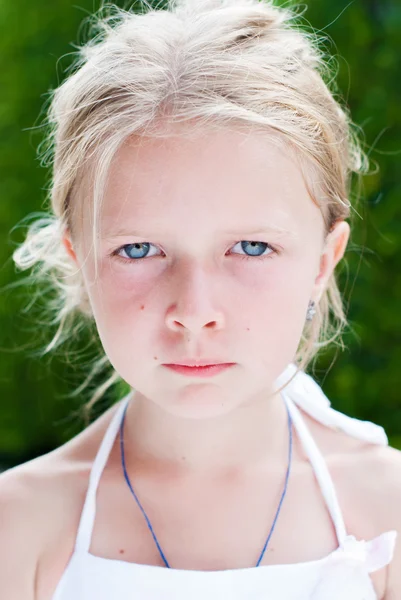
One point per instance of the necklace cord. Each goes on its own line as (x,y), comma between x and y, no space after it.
(147,518)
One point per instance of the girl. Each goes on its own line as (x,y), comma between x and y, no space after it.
(199,202)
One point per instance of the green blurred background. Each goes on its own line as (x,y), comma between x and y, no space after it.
(36,412)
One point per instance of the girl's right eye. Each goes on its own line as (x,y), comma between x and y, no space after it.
(132,250)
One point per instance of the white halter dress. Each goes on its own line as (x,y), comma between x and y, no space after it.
(343,574)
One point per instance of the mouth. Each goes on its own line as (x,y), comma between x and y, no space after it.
(199,371)
(200,362)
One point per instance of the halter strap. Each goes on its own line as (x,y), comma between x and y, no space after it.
(84,535)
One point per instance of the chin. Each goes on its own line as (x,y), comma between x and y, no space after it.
(199,401)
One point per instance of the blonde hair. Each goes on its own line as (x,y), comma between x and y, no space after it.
(215,63)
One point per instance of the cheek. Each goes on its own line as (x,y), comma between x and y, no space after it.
(275,313)
(283,286)
(120,288)
(119,304)
(127,332)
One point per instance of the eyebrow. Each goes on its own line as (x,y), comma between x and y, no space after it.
(275,229)
(263,229)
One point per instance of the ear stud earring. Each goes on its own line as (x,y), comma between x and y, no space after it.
(311,310)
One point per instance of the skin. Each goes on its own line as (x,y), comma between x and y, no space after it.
(197,296)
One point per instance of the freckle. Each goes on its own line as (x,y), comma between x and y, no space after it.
(122,551)
(247,328)
(155,357)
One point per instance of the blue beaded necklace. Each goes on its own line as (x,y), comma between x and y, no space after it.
(146,517)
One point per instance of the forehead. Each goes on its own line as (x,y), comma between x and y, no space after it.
(214,178)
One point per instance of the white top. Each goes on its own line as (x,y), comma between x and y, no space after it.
(344,573)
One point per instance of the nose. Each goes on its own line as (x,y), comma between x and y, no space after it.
(195,308)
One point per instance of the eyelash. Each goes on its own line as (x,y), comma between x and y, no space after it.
(274,250)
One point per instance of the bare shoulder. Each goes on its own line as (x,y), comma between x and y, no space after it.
(38,503)
(374,473)
(18,542)
(28,503)
(387,494)
(368,479)
(40,506)
(368,483)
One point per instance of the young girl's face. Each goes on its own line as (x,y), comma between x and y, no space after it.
(209,248)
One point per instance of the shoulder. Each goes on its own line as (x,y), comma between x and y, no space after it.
(377,473)
(23,527)
(388,494)
(368,478)
(369,485)
(361,469)
(40,506)
(371,463)
(36,501)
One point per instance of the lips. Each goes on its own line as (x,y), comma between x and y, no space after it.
(203,371)
(198,363)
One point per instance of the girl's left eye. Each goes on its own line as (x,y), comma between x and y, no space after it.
(132,251)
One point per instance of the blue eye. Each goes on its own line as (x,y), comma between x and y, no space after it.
(140,250)
(263,246)
(133,251)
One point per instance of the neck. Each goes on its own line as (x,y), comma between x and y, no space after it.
(252,435)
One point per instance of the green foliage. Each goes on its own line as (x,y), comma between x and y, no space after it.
(36,413)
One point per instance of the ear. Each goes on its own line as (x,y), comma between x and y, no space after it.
(334,248)
(66,239)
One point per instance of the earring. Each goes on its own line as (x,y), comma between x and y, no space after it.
(311,310)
